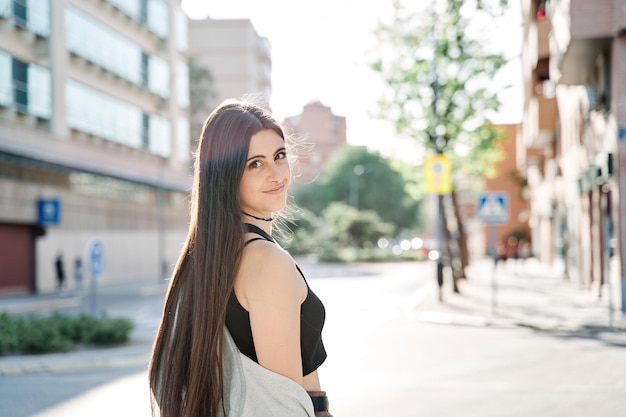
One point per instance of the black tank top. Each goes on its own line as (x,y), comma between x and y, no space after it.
(312,316)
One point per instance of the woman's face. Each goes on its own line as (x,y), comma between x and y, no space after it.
(266,176)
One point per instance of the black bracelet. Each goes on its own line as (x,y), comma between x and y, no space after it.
(320,402)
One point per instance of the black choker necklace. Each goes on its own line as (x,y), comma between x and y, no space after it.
(259,218)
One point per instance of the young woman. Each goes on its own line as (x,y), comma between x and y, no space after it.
(241,330)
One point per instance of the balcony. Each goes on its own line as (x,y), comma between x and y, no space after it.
(592,19)
(581,30)
(543,39)
(620,19)
(540,123)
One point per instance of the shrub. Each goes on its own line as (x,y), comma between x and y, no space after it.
(59,333)
(109,332)
(8,334)
(41,335)
(76,328)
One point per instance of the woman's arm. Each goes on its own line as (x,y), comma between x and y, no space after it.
(272,291)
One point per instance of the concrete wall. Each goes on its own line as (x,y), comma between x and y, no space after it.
(128,256)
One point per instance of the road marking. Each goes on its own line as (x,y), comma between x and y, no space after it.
(417,297)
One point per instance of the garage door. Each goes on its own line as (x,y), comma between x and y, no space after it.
(16,259)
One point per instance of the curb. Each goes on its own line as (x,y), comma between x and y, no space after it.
(73,365)
(444,318)
(38,306)
(125,356)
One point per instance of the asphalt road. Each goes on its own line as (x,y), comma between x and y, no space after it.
(383,360)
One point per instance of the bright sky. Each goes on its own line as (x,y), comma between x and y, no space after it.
(318,54)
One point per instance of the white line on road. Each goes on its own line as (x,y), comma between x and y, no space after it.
(417,297)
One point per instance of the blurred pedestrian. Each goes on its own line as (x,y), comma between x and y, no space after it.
(241,329)
(500,253)
(60,272)
(511,247)
(524,252)
(511,252)
(78,274)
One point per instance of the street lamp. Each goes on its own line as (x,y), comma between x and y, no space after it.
(161,200)
(358,170)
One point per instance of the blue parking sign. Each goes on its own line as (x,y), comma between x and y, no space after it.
(95,258)
(48,211)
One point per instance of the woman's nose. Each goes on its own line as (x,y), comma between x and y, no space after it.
(276,173)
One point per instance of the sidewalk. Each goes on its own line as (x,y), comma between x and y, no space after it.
(531,297)
(525,295)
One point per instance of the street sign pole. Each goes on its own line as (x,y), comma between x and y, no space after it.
(493,209)
(494,254)
(95,265)
(437,173)
(440,226)
(93,297)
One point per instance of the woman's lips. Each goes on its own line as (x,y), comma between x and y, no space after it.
(276,190)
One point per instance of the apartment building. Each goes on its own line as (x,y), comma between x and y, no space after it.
(94,139)
(574,134)
(238,60)
(321,133)
(510,181)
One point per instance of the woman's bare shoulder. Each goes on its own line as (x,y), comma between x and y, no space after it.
(265,252)
(266,268)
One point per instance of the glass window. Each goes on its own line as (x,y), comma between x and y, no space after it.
(158,18)
(145,132)
(33,15)
(182,84)
(108,187)
(5,8)
(20,13)
(127,123)
(131,8)
(87,183)
(39,91)
(39,17)
(93,112)
(6,78)
(97,43)
(182,36)
(145,63)
(20,85)
(159,76)
(160,136)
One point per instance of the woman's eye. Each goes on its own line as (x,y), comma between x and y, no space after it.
(281,155)
(254,164)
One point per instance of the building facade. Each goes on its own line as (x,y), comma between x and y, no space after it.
(510,181)
(237,58)
(321,132)
(94,139)
(574,134)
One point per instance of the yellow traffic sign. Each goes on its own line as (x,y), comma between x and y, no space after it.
(438,174)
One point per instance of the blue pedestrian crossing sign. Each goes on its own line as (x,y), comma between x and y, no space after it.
(95,258)
(493,207)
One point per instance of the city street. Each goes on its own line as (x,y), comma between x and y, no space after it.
(384,359)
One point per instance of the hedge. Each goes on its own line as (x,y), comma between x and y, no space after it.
(34,334)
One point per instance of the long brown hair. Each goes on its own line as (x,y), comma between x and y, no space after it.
(185,371)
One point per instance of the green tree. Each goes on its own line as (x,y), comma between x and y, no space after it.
(366,181)
(201,90)
(300,233)
(438,73)
(346,225)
